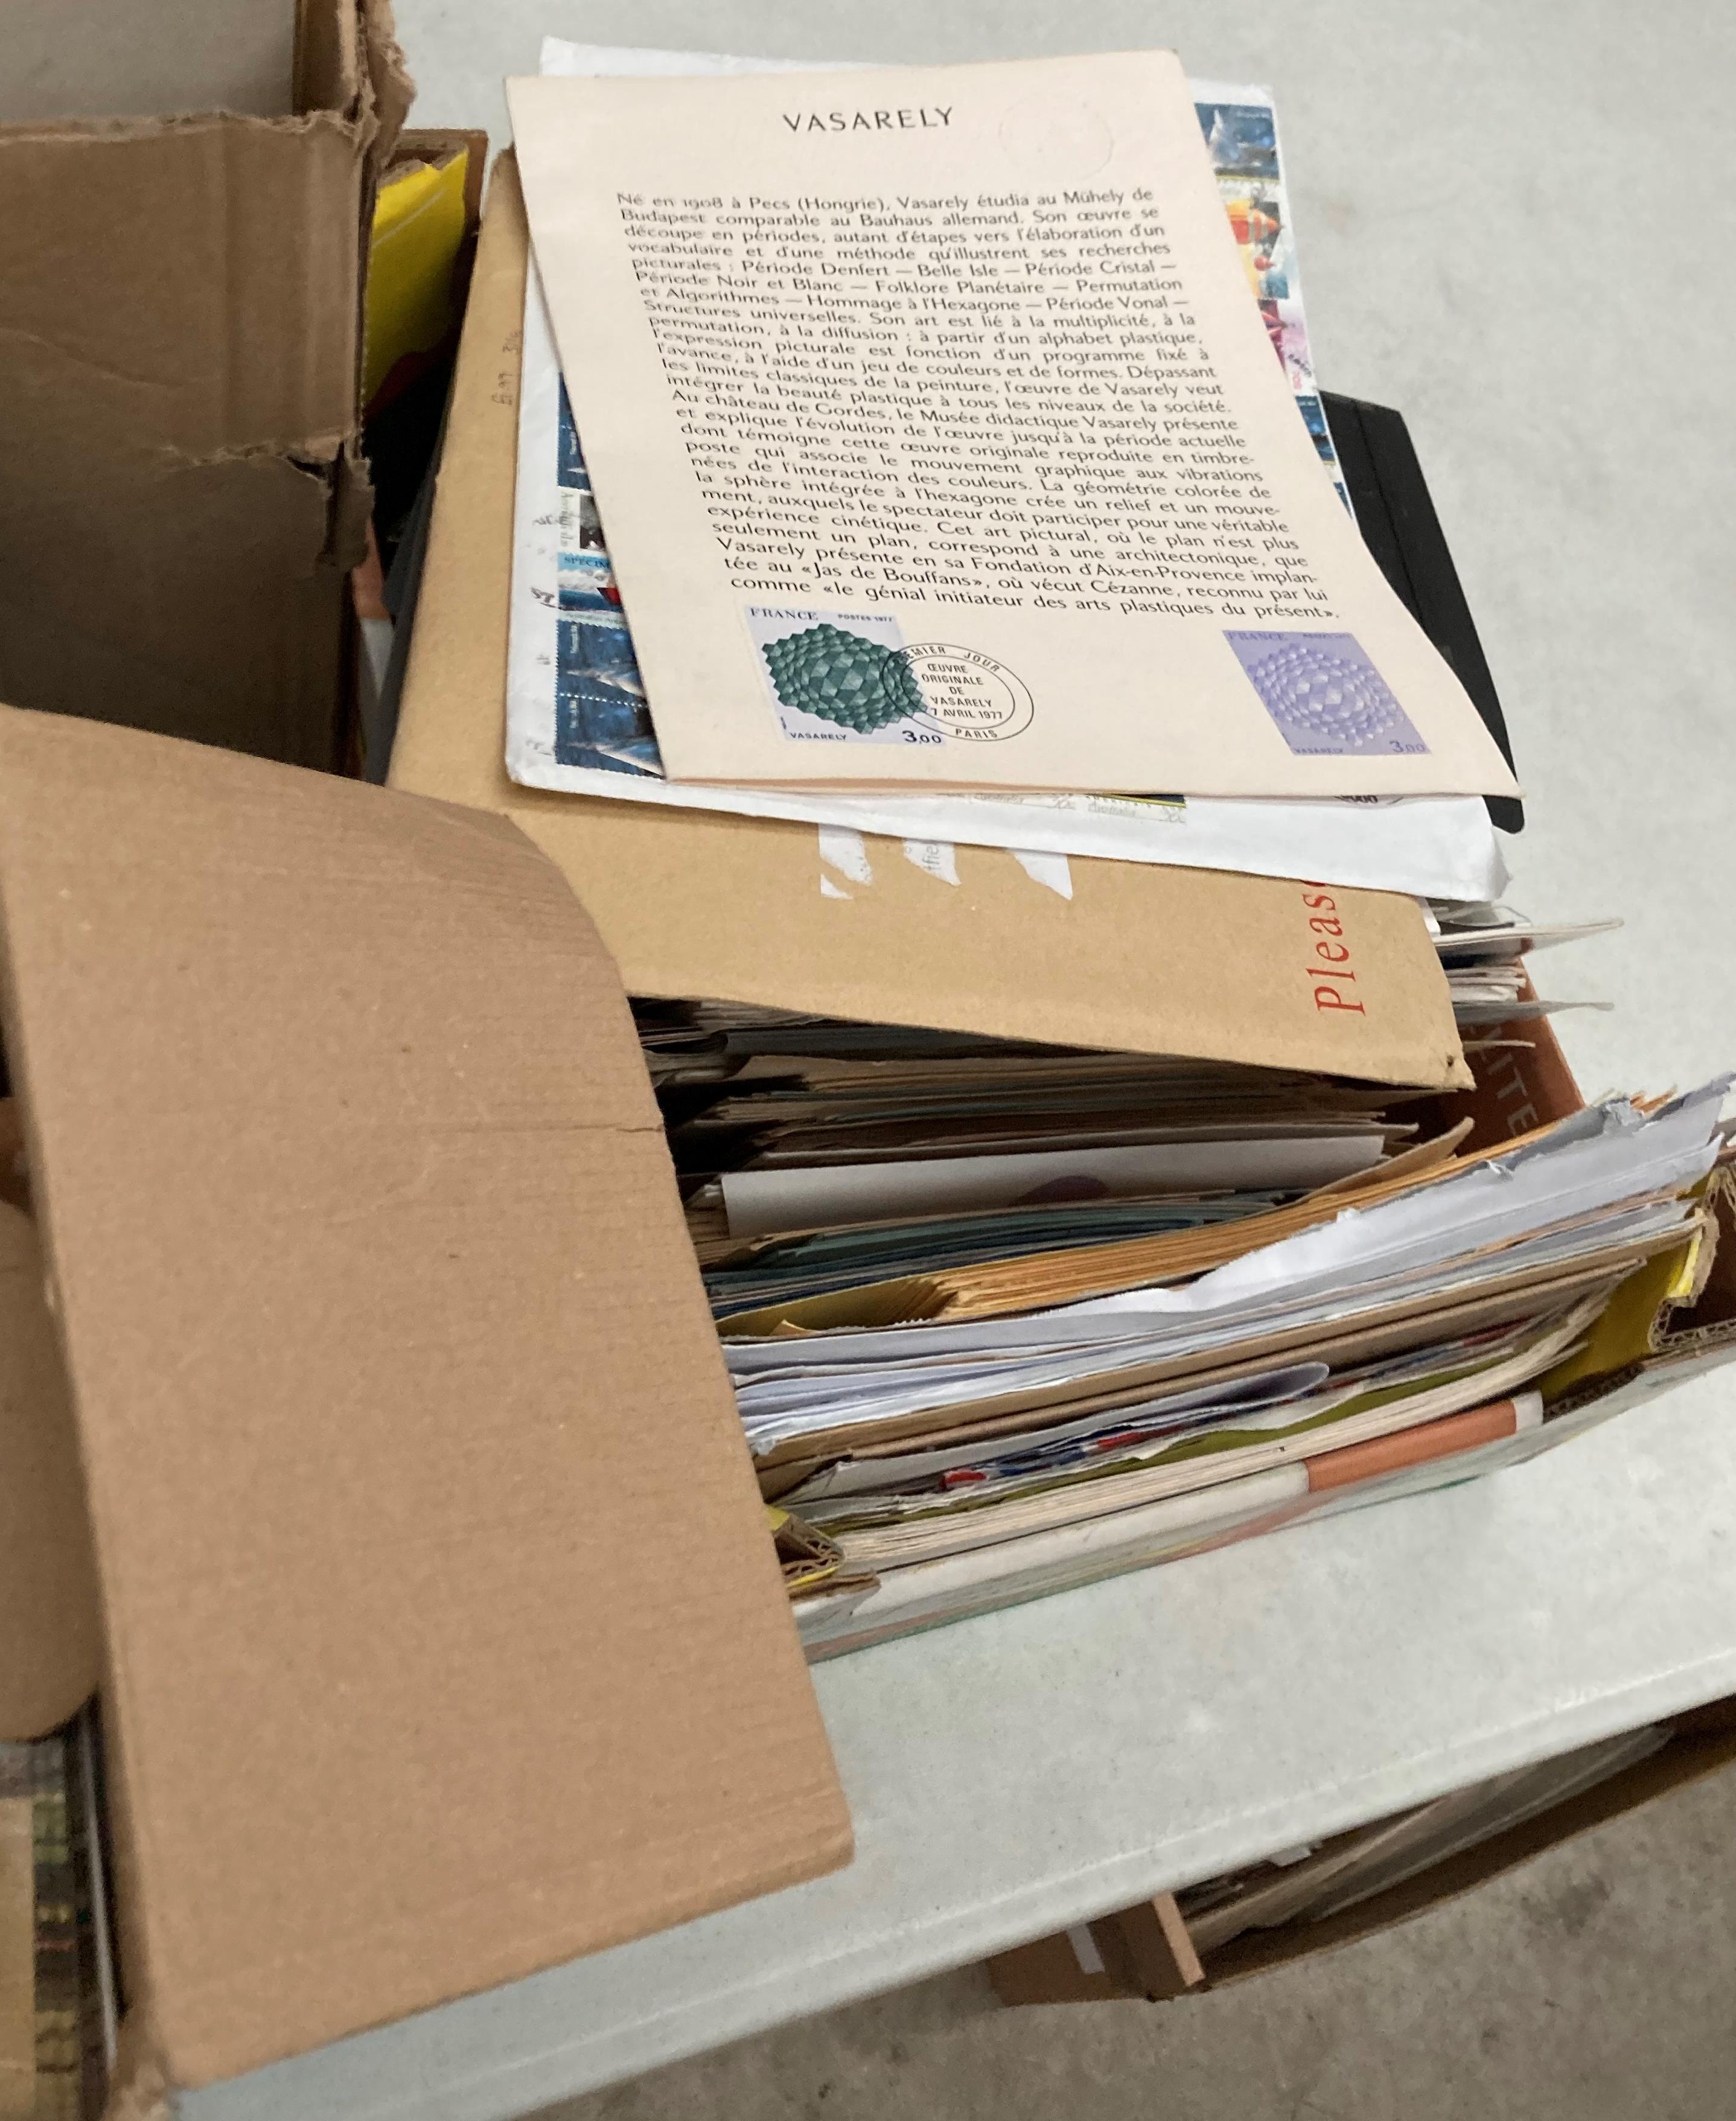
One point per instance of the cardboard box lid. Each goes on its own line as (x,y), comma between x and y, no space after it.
(1143,958)
(184,291)
(445,1640)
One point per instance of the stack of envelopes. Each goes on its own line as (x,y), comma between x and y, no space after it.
(1028,1411)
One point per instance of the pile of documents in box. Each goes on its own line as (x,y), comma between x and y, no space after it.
(1051,866)
(951,1027)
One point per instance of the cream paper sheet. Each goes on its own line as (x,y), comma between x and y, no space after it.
(568,639)
(940,444)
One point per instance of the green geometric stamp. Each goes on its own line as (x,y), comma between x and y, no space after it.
(842,678)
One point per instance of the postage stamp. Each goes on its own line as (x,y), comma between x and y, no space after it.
(848,676)
(837,676)
(1325,695)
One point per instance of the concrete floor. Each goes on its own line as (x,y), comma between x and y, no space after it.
(1595,1984)
(1512,218)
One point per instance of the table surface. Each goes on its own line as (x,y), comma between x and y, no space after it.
(1458,176)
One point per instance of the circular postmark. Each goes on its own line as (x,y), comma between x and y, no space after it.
(967,694)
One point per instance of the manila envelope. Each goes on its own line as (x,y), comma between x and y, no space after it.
(1141,958)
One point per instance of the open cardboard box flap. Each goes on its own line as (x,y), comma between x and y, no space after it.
(695,903)
(445,1643)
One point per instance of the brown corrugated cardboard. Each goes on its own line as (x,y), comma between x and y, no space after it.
(444,1639)
(178,415)
(1142,959)
(50,1645)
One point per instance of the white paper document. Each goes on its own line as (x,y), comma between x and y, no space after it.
(971,1365)
(1540,1202)
(941,445)
(809,1196)
(577,721)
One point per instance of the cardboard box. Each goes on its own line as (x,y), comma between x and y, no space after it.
(443,1640)
(183,493)
(1139,959)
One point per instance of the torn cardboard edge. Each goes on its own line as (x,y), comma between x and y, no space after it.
(221,259)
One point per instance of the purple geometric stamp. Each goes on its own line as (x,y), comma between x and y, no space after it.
(1325,695)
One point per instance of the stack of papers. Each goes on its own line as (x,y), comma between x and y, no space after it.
(580,718)
(1002,1318)
(936,455)
(1484,951)
(970,1435)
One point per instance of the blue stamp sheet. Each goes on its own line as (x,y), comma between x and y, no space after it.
(1325,695)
